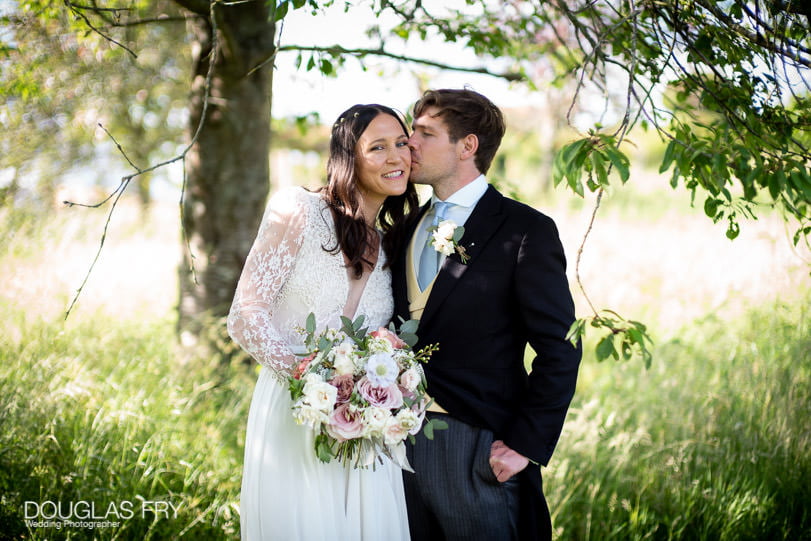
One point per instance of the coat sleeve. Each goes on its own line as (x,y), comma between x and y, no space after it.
(547,310)
(267,268)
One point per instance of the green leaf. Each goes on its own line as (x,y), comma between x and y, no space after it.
(409,338)
(346,325)
(567,164)
(620,162)
(711,206)
(310,324)
(281,10)
(776,183)
(801,180)
(605,348)
(323,450)
(598,160)
(428,429)
(801,233)
(576,331)
(410,326)
(733,228)
(296,388)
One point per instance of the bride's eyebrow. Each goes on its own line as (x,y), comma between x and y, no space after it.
(384,139)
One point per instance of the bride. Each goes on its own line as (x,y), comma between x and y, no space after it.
(320,252)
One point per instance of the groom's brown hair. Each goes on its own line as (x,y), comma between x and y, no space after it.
(465,112)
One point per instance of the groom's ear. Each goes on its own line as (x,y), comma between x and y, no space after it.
(469,147)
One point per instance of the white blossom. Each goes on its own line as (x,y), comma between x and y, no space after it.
(382,369)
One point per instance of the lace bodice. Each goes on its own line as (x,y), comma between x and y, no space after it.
(288,274)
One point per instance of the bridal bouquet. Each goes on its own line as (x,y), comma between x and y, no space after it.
(362,393)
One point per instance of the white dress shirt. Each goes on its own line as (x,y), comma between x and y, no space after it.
(464,201)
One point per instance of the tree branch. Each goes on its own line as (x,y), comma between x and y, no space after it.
(77,11)
(758,39)
(336,50)
(119,191)
(150,20)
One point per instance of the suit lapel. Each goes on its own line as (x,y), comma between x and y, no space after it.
(483,222)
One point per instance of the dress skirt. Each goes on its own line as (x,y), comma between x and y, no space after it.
(288,494)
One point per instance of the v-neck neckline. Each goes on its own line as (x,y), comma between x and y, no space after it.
(346,276)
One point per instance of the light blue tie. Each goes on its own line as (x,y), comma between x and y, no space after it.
(429,258)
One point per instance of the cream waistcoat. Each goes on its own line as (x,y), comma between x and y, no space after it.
(416,298)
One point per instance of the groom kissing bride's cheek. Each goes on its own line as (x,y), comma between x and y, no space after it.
(485,276)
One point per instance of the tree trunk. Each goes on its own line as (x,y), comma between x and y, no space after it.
(227,168)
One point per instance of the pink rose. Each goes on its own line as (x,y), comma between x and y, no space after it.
(344,424)
(386,334)
(301,367)
(383,397)
(345,384)
(406,393)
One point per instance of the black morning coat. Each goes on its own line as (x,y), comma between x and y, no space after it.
(511,292)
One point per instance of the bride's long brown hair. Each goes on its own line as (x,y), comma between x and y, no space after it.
(341,193)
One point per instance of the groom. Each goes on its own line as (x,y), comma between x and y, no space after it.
(503,287)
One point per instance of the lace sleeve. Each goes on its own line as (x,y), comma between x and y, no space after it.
(267,268)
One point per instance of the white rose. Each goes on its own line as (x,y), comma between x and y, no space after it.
(320,394)
(446,229)
(304,414)
(375,421)
(443,246)
(410,379)
(344,358)
(408,420)
(312,377)
(393,432)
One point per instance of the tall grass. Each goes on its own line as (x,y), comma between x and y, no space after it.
(105,413)
(711,444)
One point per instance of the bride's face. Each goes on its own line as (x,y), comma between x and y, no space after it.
(383,159)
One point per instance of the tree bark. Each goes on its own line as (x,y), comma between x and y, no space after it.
(227,168)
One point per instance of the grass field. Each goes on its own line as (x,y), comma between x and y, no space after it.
(710,443)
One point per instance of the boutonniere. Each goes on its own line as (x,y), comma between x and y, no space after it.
(445,239)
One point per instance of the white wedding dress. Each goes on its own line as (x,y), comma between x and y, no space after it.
(287,493)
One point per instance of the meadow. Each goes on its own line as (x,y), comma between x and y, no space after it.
(106,421)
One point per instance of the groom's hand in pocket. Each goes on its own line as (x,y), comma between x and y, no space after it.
(505,462)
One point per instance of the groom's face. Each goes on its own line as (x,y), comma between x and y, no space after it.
(434,158)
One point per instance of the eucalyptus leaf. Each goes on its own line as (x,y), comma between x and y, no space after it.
(410,326)
(310,323)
